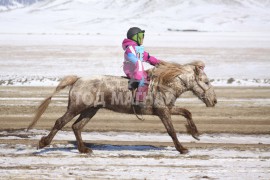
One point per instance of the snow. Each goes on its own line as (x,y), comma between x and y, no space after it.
(146,137)
(112,16)
(70,165)
(162,39)
(35,59)
(231,37)
(45,81)
(110,164)
(133,161)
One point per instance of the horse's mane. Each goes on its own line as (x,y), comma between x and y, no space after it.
(165,72)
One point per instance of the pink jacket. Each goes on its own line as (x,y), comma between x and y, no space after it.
(133,66)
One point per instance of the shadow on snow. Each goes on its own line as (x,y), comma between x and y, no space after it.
(101,147)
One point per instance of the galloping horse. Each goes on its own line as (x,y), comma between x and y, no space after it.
(167,82)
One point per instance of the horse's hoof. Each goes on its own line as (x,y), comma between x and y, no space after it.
(85,150)
(42,143)
(196,137)
(184,151)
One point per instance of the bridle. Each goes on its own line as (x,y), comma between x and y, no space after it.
(199,84)
(196,75)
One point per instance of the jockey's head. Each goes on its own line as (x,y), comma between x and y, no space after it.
(136,34)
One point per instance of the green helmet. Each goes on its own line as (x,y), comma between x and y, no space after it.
(136,34)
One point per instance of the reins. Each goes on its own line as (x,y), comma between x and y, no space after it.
(133,108)
(154,86)
(199,84)
(134,111)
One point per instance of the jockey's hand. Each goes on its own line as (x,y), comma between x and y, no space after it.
(161,62)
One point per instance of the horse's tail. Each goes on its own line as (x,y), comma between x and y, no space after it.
(66,81)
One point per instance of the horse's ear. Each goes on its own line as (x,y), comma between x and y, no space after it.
(198,70)
(198,66)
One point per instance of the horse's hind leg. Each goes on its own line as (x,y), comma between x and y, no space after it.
(59,124)
(78,125)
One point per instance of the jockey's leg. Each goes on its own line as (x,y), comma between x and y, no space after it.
(142,91)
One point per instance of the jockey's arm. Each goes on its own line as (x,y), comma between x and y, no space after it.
(150,59)
(131,56)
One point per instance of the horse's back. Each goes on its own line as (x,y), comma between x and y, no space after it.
(101,82)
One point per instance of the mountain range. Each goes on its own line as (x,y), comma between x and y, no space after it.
(112,16)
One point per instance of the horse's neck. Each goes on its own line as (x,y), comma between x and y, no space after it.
(179,86)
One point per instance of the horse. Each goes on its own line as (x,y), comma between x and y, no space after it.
(167,82)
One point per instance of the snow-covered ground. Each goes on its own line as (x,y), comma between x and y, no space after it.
(145,137)
(232,58)
(120,162)
(133,161)
(44,41)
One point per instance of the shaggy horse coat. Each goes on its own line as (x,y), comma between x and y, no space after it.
(168,81)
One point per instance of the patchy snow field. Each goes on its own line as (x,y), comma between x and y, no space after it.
(123,161)
(44,41)
(232,59)
(144,137)
(232,38)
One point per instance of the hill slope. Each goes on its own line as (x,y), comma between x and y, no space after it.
(112,16)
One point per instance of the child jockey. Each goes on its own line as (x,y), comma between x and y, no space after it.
(133,66)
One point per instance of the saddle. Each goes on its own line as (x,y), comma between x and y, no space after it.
(139,97)
(139,92)
(133,86)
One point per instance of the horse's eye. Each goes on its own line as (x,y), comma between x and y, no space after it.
(207,83)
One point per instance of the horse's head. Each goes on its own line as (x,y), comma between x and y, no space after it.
(191,77)
(200,85)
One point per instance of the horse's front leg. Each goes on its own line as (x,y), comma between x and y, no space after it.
(191,127)
(165,116)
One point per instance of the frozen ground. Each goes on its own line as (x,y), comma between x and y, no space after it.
(133,161)
(235,140)
(232,59)
(133,136)
(44,41)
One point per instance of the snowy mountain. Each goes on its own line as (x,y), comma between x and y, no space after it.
(112,16)
(6,5)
